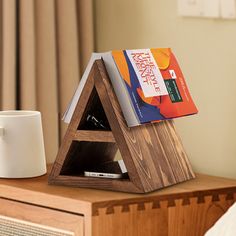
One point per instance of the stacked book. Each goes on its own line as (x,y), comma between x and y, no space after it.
(148,83)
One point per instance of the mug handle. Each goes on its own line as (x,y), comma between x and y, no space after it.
(1,131)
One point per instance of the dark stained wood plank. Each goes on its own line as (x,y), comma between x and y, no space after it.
(68,138)
(94,136)
(156,149)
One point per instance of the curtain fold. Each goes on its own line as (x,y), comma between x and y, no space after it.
(46,71)
(68,56)
(8,49)
(45,46)
(85,29)
(27,55)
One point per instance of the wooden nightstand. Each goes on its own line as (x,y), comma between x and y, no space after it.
(185,209)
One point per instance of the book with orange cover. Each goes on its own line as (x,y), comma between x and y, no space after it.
(155,84)
(148,83)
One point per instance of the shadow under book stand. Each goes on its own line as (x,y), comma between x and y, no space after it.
(153,153)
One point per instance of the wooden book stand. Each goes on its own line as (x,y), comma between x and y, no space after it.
(153,153)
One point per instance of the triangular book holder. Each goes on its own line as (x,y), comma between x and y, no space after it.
(153,153)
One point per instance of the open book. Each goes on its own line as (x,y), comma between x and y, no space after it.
(148,83)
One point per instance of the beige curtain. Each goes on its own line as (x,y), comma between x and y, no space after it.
(44,48)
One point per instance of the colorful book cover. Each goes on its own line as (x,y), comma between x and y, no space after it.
(155,84)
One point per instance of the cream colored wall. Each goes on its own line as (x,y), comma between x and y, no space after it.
(206,50)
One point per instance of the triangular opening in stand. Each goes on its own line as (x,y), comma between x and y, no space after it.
(94,117)
(87,155)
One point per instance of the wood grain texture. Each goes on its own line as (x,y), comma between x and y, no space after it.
(94,136)
(153,153)
(185,198)
(193,219)
(186,209)
(72,128)
(158,156)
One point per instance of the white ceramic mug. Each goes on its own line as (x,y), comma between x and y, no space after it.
(22,152)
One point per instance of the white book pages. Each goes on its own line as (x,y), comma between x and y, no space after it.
(71,107)
(120,90)
(117,83)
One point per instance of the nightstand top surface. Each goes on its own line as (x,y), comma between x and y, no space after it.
(39,184)
(36,191)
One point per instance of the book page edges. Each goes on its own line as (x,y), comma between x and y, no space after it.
(121,92)
(71,107)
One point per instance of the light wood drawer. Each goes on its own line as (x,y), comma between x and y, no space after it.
(17,219)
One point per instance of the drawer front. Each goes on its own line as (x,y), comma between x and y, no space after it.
(21,219)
